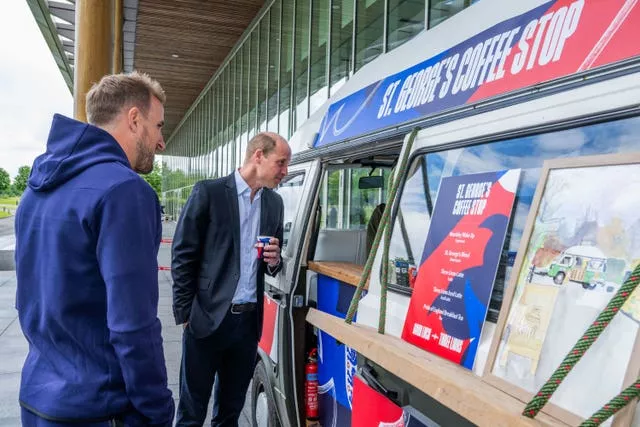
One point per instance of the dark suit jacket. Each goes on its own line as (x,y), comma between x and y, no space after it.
(206,253)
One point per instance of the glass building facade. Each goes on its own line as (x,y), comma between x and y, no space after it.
(295,55)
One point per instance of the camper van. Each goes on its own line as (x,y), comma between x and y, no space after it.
(500,85)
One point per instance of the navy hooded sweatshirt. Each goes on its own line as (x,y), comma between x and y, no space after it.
(87,236)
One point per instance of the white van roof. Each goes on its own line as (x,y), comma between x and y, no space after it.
(585,251)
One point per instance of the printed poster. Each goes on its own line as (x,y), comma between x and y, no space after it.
(583,243)
(530,323)
(459,264)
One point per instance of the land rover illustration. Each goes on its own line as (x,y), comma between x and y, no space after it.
(583,264)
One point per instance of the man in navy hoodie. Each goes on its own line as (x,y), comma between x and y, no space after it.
(87,236)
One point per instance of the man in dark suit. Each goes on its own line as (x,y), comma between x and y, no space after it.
(219,281)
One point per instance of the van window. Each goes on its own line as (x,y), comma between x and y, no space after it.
(290,189)
(346,206)
(411,224)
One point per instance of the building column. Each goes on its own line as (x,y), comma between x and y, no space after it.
(94,43)
(118,22)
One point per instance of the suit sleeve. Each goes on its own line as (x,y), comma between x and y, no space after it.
(273,271)
(129,230)
(188,242)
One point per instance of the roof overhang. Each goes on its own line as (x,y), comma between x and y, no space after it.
(179,44)
(57,20)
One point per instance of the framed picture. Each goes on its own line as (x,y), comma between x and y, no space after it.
(580,243)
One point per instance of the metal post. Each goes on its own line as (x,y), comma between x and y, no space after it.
(427,12)
(385,26)
(309,38)
(279,68)
(353,37)
(329,34)
(292,101)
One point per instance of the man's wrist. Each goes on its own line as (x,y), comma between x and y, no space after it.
(276,264)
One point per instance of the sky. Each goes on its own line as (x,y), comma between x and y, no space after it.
(31,88)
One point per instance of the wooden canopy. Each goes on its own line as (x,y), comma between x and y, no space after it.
(181,43)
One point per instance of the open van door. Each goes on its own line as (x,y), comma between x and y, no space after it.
(282,303)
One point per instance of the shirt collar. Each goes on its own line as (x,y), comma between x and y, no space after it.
(242,186)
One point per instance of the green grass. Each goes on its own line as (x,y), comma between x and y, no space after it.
(9,201)
(4,214)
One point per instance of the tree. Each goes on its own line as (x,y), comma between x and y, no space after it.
(20,181)
(154,178)
(5,181)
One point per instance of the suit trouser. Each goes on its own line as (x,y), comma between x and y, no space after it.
(227,356)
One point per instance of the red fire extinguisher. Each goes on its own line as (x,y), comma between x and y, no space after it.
(311,385)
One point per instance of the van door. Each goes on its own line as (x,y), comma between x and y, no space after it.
(279,337)
(295,190)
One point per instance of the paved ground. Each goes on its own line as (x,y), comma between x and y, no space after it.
(6,226)
(7,238)
(13,347)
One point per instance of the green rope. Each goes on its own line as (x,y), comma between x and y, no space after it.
(614,405)
(385,272)
(366,272)
(367,267)
(583,344)
(387,236)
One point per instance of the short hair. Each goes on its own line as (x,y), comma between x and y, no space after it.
(107,98)
(264,141)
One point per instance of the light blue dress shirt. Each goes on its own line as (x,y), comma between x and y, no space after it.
(249,228)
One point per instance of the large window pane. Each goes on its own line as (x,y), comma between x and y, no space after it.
(319,42)
(219,115)
(528,153)
(301,63)
(263,61)
(341,39)
(274,68)
(286,67)
(439,10)
(253,81)
(245,52)
(332,186)
(406,19)
(233,104)
(369,30)
(237,108)
(227,117)
(344,204)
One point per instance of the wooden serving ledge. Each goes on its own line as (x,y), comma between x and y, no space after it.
(346,272)
(454,387)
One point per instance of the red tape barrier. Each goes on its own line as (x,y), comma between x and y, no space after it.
(165,240)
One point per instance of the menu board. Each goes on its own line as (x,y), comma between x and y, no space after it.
(459,263)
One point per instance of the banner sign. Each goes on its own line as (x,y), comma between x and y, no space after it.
(373,409)
(556,39)
(459,264)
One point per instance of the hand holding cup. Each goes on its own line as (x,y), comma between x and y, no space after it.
(268,249)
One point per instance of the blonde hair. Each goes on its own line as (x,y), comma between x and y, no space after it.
(107,98)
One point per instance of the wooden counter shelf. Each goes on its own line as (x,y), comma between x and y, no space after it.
(453,386)
(346,272)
